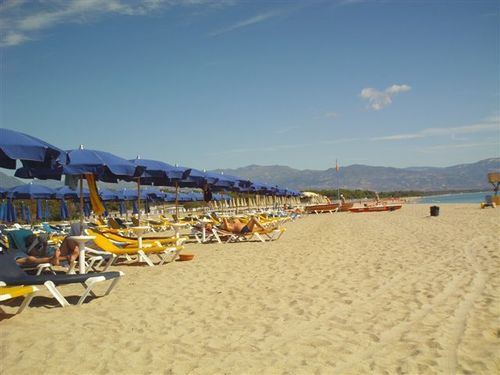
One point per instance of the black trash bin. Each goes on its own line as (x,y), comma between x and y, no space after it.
(434,211)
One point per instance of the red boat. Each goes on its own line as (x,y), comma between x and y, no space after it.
(330,207)
(376,208)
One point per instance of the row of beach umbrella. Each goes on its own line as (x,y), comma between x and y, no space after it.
(36,191)
(40,193)
(42,160)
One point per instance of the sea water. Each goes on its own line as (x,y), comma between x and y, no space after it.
(476,197)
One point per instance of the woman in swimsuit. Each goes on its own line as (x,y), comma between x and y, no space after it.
(239,227)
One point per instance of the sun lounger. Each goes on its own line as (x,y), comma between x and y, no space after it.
(12,275)
(126,241)
(165,254)
(112,223)
(17,245)
(28,292)
(262,235)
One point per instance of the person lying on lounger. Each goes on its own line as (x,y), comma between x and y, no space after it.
(38,251)
(238,227)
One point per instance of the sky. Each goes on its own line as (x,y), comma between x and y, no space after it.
(225,83)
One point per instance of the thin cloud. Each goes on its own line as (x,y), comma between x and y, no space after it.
(340,141)
(489,125)
(286,130)
(437,148)
(378,100)
(245,23)
(21,20)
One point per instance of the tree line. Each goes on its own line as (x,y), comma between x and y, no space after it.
(361,194)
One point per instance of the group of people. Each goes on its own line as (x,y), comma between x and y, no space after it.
(37,249)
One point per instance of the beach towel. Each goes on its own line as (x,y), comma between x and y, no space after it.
(95,200)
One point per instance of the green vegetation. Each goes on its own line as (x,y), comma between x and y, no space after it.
(361,194)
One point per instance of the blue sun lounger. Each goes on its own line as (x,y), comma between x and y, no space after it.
(12,275)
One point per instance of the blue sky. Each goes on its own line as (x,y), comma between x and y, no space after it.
(224,84)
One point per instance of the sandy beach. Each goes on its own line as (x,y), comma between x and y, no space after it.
(381,293)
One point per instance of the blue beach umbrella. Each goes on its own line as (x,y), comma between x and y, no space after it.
(103,165)
(196,179)
(11,215)
(260,188)
(31,151)
(226,183)
(160,173)
(108,195)
(169,197)
(28,213)
(47,210)
(123,209)
(2,211)
(39,209)
(24,216)
(86,209)
(221,197)
(152,193)
(127,195)
(31,191)
(65,192)
(184,197)
(64,210)
(196,196)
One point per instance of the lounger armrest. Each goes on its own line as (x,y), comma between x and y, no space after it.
(90,250)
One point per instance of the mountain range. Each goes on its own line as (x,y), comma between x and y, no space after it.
(458,177)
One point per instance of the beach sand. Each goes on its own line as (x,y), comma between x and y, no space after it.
(384,293)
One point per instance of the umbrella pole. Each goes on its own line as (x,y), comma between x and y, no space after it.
(81,205)
(139,199)
(177,201)
(31,213)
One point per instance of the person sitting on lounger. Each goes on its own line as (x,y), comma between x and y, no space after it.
(69,250)
(238,227)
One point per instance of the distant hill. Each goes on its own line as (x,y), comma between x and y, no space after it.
(457,177)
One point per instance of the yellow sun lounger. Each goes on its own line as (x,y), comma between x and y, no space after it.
(261,235)
(150,241)
(28,292)
(165,254)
